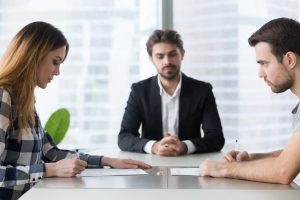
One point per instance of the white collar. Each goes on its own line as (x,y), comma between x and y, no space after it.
(162,90)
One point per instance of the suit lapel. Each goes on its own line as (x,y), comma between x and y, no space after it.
(156,106)
(184,103)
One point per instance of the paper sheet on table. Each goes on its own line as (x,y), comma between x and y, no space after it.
(184,171)
(112,172)
(297,180)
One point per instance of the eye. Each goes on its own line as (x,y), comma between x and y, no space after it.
(56,62)
(262,63)
(173,54)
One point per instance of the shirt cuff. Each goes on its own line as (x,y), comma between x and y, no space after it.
(92,161)
(37,172)
(190,146)
(148,146)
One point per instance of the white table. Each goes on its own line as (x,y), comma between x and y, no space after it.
(159,187)
(192,160)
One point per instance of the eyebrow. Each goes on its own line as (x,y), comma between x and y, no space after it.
(174,50)
(261,61)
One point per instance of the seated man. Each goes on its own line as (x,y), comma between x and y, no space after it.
(277,48)
(171,107)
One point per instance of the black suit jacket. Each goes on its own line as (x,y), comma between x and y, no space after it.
(197,108)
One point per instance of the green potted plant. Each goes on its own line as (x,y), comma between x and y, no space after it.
(58,124)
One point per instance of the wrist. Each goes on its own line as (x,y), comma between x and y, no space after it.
(105,161)
(226,170)
(50,169)
(184,148)
(154,148)
(229,169)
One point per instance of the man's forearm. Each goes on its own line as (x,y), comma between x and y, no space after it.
(269,170)
(256,156)
(130,142)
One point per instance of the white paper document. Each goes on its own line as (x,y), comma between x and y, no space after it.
(297,180)
(184,171)
(112,172)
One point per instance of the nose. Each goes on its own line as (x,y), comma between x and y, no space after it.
(261,73)
(166,60)
(57,71)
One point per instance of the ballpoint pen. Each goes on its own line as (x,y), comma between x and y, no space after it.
(236,145)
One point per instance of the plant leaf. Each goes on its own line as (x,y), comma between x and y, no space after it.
(58,124)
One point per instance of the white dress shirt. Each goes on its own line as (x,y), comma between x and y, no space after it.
(170,116)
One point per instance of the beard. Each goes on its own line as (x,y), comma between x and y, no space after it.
(282,87)
(169,72)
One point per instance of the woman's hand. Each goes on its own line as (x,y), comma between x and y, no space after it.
(67,167)
(124,163)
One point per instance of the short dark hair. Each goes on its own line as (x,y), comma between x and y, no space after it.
(167,36)
(283,35)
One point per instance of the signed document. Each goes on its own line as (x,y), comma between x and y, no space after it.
(112,172)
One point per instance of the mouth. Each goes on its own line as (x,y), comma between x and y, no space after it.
(268,82)
(169,68)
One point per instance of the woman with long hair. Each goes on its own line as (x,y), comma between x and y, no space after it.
(27,152)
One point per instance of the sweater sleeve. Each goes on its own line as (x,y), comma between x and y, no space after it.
(51,153)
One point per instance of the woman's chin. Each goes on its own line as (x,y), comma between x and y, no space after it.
(42,86)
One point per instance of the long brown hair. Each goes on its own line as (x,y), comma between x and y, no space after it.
(18,67)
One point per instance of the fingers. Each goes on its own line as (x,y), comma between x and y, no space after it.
(137,163)
(81,163)
(242,156)
(68,167)
(170,145)
(170,150)
(233,156)
(128,166)
(166,134)
(176,149)
(78,166)
(230,156)
(169,140)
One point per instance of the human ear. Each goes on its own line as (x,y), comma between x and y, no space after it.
(290,59)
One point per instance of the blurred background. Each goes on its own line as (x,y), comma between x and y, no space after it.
(107,54)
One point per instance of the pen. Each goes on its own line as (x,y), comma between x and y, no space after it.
(77,153)
(236,145)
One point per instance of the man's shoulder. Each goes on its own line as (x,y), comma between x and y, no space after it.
(195,83)
(146,83)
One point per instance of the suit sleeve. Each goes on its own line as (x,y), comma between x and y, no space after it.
(129,136)
(213,139)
